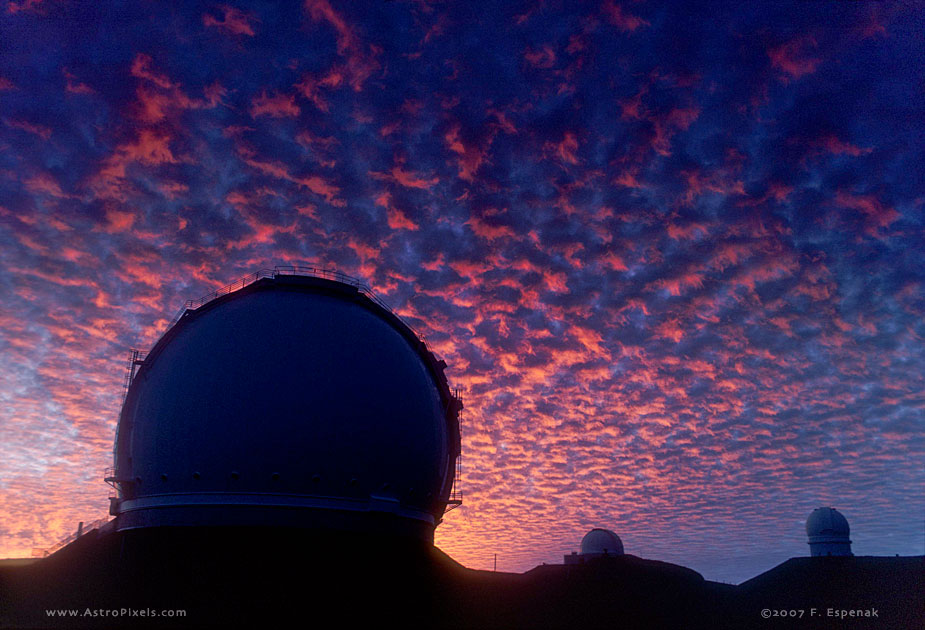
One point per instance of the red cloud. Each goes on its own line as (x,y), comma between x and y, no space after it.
(41,131)
(876,215)
(470,158)
(834,145)
(322,10)
(119,221)
(25,5)
(173,190)
(45,183)
(234,21)
(408,179)
(158,94)
(76,87)
(543,58)
(155,101)
(359,64)
(277,106)
(565,149)
(687,232)
(781,266)
(632,109)
(310,87)
(613,261)
(315,183)
(623,21)
(141,68)
(670,329)
(676,286)
(678,119)
(395,218)
(628,178)
(398,221)
(151,148)
(790,58)
(488,230)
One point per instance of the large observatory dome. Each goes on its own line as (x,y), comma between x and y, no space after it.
(828,533)
(601,542)
(295,401)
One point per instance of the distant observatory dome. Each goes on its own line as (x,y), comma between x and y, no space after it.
(828,533)
(599,542)
(295,401)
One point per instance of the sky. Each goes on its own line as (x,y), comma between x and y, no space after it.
(672,253)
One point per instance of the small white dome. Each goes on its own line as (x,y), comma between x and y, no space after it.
(828,532)
(827,522)
(601,542)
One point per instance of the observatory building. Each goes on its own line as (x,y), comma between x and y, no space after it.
(597,543)
(828,533)
(297,400)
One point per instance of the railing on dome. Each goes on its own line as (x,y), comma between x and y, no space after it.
(287,270)
(138,356)
(109,476)
(456,495)
(82,531)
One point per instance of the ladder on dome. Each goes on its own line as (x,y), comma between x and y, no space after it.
(456,495)
(137,358)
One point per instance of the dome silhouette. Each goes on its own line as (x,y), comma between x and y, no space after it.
(828,532)
(601,542)
(295,401)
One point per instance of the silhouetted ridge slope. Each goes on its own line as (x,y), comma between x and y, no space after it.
(275,577)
